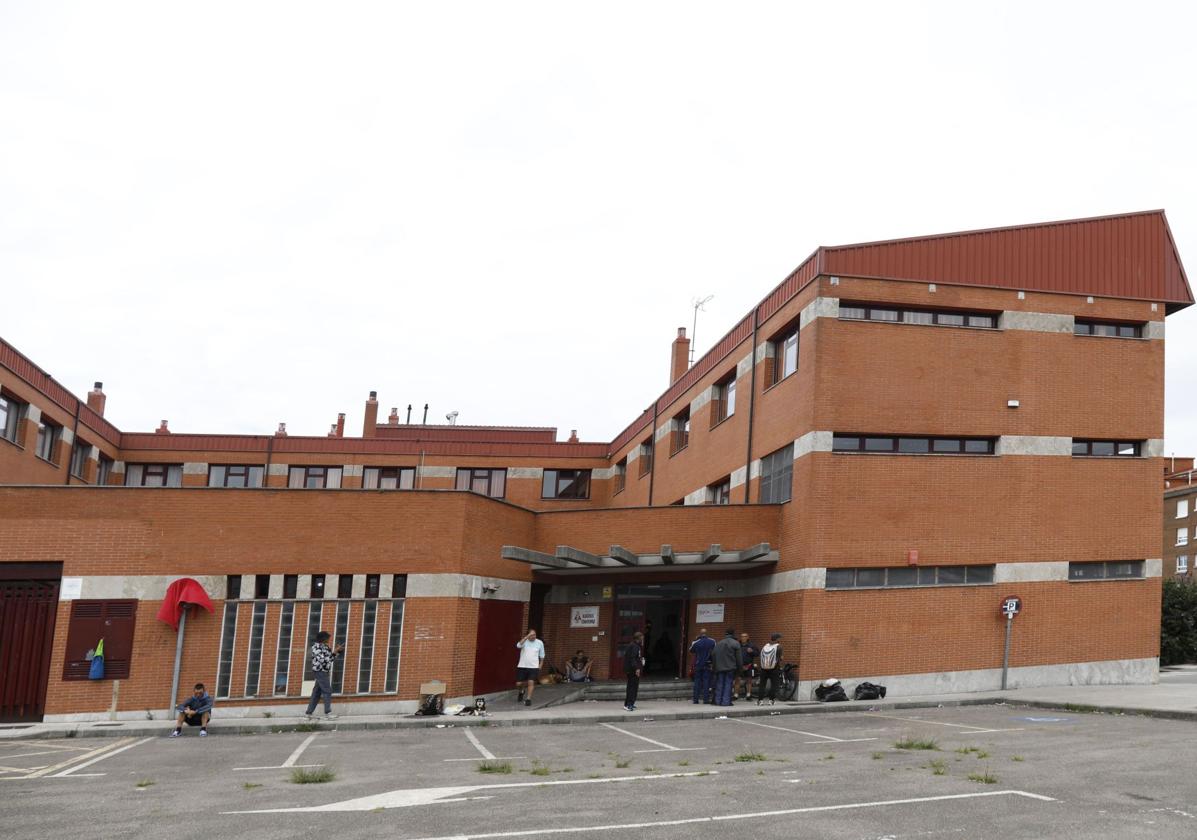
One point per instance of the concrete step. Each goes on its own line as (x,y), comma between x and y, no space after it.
(649,690)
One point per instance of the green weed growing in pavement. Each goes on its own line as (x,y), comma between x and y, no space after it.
(649,769)
(684,763)
(982,754)
(312,775)
(939,767)
(306,727)
(985,778)
(752,755)
(145,783)
(251,785)
(268,715)
(1017,758)
(502,767)
(621,763)
(877,756)
(539,769)
(705,773)
(916,744)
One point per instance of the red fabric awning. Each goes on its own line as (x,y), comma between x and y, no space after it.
(182,591)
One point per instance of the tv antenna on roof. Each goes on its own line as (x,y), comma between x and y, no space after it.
(699,304)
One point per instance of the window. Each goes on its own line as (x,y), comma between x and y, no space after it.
(488,482)
(723,399)
(1182,536)
(12,412)
(1182,508)
(154,475)
(232,587)
(719,493)
(316,588)
(340,631)
(896,577)
(48,435)
(92,620)
(315,617)
(394,645)
(927,317)
(777,476)
(1182,564)
(365,662)
(315,478)
(105,470)
(646,457)
(282,655)
(228,635)
(913,445)
(372,583)
(80,452)
(1106,448)
(565,484)
(257,634)
(1108,329)
(399,586)
(344,586)
(235,475)
(679,431)
(785,354)
(621,476)
(261,586)
(1106,570)
(290,586)
(389,478)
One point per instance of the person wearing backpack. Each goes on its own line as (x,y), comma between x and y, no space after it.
(770,664)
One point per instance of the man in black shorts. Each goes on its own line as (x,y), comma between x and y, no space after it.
(194,711)
(528,669)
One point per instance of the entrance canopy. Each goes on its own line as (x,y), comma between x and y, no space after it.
(567,559)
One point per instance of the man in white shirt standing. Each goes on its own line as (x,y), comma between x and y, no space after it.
(528,669)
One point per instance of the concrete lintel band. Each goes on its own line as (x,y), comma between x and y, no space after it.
(1154,330)
(358,589)
(525,472)
(466,586)
(1034,445)
(279,469)
(118,466)
(698,497)
(33,414)
(744,366)
(602,474)
(663,431)
(68,436)
(704,397)
(436,472)
(633,454)
(820,307)
(738,477)
(1036,322)
(93,453)
(194,468)
(276,587)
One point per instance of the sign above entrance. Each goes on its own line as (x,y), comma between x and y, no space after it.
(584,617)
(710,613)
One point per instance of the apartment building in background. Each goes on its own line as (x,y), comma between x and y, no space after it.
(1180,517)
(900,435)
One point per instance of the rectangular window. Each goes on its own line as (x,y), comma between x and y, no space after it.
(723,399)
(340,631)
(646,457)
(290,586)
(232,587)
(1182,536)
(777,476)
(80,453)
(926,317)
(315,478)
(91,620)
(896,577)
(785,353)
(1107,329)
(913,445)
(372,583)
(154,475)
(394,645)
(679,431)
(228,635)
(1106,448)
(12,412)
(365,662)
(235,475)
(261,586)
(399,586)
(389,478)
(344,586)
(719,493)
(1106,570)
(565,484)
(104,472)
(48,435)
(1182,508)
(316,589)
(1182,564)
(621,476)
(486,482)
(257,632)
(282,653)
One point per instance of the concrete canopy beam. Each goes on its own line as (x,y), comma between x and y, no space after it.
(667,556)
(755,552)
(577,555)
(527,555)
(621,555)
(712,553)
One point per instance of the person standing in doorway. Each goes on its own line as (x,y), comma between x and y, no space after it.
(747,672)
(633,666)
(727,662)
(322,662)
(770,663)
(701,649)
(526,672)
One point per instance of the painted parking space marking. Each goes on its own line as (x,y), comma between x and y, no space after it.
(105,753)
(291,759)
(485,753)
(439,795)
(1043,719)
(973,730)
(540,832)
(662,747)
(824,738)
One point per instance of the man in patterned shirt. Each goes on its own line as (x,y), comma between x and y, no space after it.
(322,662)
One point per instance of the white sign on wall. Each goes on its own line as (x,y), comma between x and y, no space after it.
(70,588)
(710,613)
(583,617)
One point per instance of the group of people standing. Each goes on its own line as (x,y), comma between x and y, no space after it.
(722,668)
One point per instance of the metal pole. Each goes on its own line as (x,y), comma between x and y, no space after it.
(1006,655)
(174,682)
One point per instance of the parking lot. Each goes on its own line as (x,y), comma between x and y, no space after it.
(972,772)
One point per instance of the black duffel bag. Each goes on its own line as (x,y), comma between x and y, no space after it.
(833,693)
(869,691)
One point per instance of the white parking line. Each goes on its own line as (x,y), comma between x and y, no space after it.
(473,739)
(45,771)
(974,729)
(290,764)
(537,832)
(664,747)
(824,738)
(108,754)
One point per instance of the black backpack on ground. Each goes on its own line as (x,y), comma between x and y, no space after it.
(869,691)
(830,693)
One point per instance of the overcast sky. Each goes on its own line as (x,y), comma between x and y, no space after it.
(241,214)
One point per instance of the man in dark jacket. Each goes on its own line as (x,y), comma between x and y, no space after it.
(633,664)
(194,711)
(701,648)
(727,662)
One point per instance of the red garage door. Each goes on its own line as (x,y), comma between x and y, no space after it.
(28,607)
(500,626)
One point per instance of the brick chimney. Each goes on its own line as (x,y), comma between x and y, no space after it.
(393,417)
(573,436)
(96,399)
(339,426)
(681,356)
(162,430)
(282,430)
(370,421)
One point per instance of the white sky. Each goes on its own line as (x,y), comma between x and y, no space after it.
(241,214)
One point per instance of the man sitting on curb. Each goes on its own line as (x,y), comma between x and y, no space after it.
(194,711)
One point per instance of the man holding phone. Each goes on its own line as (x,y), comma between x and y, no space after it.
(528,669)
(322,661)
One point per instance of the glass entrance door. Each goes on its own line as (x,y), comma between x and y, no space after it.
(630,617)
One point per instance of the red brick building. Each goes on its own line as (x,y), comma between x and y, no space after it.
(1180,516)
(897,437)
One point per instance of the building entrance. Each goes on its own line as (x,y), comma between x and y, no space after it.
(659,612)
(28,607)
